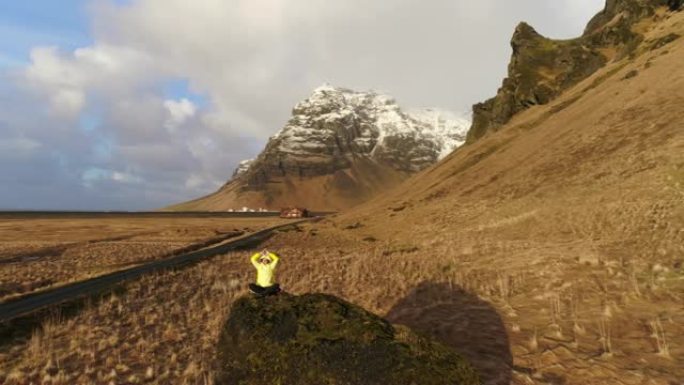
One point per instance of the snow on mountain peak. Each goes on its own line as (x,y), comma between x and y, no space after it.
(449,127)
(341,123)
(243,167)
(324,87)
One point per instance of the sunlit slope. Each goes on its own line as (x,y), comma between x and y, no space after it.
(613,140)
(568,220)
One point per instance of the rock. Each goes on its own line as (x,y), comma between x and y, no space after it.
(321,339)
(631,74)
(541,69)
(354,226)
(674,5)
(665,40)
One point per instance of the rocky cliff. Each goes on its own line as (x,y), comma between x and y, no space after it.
(541,69)
(339,148)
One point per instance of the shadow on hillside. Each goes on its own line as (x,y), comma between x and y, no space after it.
(462,321)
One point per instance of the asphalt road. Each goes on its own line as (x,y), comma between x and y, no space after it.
(30,303)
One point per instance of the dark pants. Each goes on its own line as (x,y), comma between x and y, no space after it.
(264,291)
(674,4)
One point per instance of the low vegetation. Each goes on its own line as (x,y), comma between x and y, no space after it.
(556,305)
(39,253)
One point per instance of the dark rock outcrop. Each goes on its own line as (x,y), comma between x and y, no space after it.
(321,339)
(542,68)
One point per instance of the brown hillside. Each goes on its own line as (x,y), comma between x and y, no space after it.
(342,189)
(568,222)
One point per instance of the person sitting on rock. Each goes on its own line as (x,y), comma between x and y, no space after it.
(265,263)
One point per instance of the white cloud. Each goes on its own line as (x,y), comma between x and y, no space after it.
(19,145)
(68,101)
(124,177)
(66,78)
(179,111)
(256,58)
(57,80)
(196,181)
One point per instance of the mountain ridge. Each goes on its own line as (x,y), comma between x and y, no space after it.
(340,147)
(541,68)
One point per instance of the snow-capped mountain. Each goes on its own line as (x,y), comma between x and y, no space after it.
(448,128)
(242,167)
(339,122)
(339,148)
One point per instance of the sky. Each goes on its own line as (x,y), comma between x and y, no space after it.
(138,104)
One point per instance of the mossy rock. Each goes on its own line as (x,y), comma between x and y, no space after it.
(321,339)
(541,68)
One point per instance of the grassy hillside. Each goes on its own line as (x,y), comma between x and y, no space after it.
(569,221)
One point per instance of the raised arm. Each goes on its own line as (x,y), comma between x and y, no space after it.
(254,260)
(275,258)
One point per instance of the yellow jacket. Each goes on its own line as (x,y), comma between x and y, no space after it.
(265,273)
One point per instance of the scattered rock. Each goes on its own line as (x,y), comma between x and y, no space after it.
(588,259)
(674,5)
(401,249)
(354,226)
(321,339)
(665,40)
(631,74)
(399,208)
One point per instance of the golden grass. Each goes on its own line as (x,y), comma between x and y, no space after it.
(40,253)
(558,312)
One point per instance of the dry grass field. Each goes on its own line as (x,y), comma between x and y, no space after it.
(565,312)
(40,252)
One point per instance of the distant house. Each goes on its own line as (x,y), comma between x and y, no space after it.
(294,212)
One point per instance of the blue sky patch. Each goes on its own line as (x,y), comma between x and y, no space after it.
(94,174)
(90,120)
(27,24)
(180,88)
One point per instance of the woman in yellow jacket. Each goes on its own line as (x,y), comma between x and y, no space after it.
(265,263)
